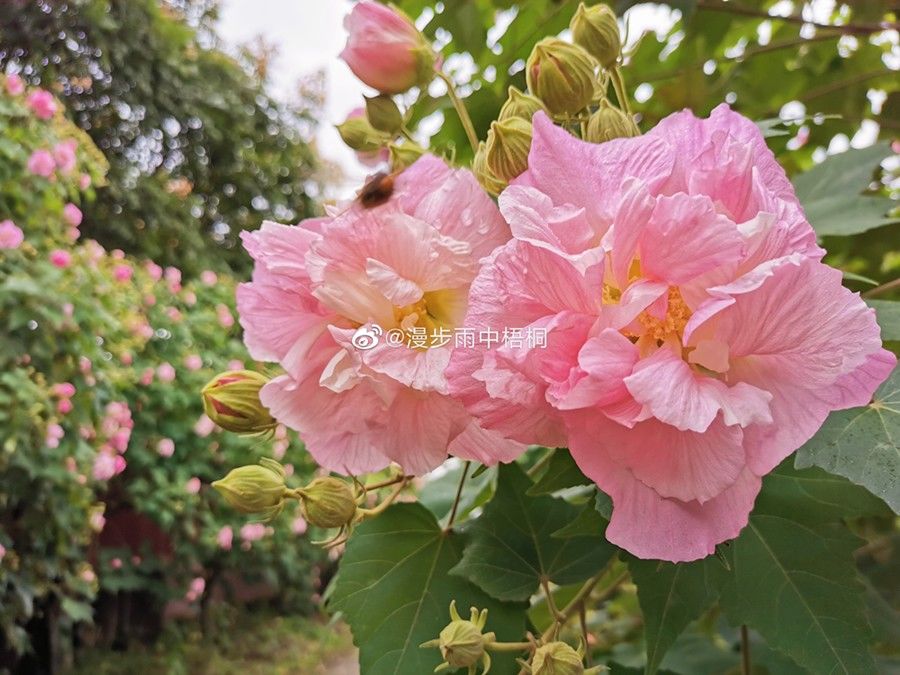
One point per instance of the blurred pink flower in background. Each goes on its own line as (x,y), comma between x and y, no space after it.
(60,258)
(72,215)
(115,563)
(193,362)
(11,236)
(224,537)
(41,163)
(41,103)
(253,532)
(165,447)
(147,376)
(63,389)
(54,435)
(97,521)
(204,426)
(195,589)
(15,85)
(107,464)
(64,156)
(226,320)
(154,270)
(384,48)
(84,181)
(173,278)
(64,406)
(299,525)
(235,364)
(209,277)
(165,372)
(192,487)
(122,272)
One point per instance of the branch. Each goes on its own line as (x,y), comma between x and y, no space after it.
(847,29)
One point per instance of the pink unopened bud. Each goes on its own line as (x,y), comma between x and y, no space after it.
(385,49)
(41,103)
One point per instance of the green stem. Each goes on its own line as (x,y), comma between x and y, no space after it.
(508,646)
(619,85)
(459,489)
(461,110)
(884,288)
(541,463)
(746,666)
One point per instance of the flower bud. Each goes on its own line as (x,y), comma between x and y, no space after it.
(383,114)
(595,28)
(257,488)
(231,400)
(404,155)
(488,180)
(561,75)
(385,49)
(328,502)
(506,150)
(462,643)
(557,658)
(608,122)
(520,105)
(361,136)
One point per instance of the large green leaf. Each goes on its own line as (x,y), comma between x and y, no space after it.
(512,548)
(394,588)
(671,596)
(831,193)
(812,495)
(562,472)
(863,444)
(888,313)
(797,585)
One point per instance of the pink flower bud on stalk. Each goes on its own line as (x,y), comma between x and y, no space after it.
(462,643)
(385,49)
(328,502)
(231,400)
(257,488)
(561,75)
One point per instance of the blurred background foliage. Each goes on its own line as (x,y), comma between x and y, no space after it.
(198,149)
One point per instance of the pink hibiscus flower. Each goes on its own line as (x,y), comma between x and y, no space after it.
(404,266)
(693,337)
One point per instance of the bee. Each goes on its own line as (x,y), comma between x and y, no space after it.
(377,190)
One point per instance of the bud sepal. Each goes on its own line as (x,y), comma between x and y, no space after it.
(231,400)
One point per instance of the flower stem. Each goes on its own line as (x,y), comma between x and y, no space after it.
(462,482)
(508,646)
(619,85)
(387,483)
(884,288)
(460,110)
(363,514)
(746,666)
(581,597)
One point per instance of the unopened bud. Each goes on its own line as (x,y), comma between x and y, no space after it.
(561,75)
(231,400)
(328,502)
(595,28)
(257,488)
(383,114)
(557,658)
(521,105)
(361,136)
(488,180)
(508,144)
(403,156)
(608,122)
(461,642)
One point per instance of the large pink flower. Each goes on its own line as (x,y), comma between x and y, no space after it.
(693,337)
(403,267)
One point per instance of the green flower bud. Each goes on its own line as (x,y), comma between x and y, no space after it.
(257,488)
(383,114)
(506,151)
(328,502)
(557,658)
(361,136)
(561,75)
(403,156)
(608,122)
(231,400)
(520,105)
(595,28)
(462,643)
(488,180)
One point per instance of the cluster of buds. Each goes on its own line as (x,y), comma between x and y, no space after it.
(231,400)
(505,153)
(387,52)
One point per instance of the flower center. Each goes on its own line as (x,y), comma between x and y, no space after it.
(428,321)
(676,318)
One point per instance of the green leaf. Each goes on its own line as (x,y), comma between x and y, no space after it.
(888,314)
(862,444)
(830,193)
(671,596)
(439,493)
(797,585)
(815,496)
(562,472)
(587,523)
(394,588)
(512,548)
